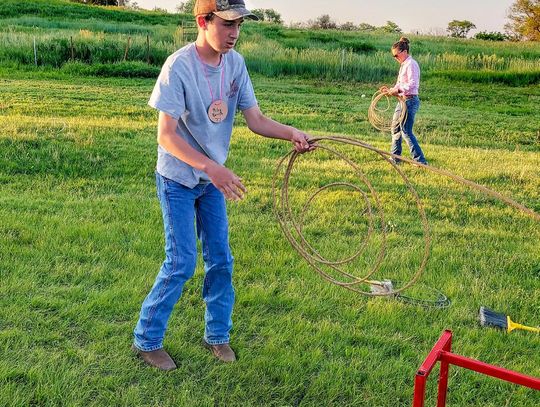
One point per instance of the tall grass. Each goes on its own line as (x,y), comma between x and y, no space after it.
(68,32)
(38,25)
(265,56)
(270,58)
(420,44)
(54,48)
(493,62)
(121,69)
(75,11)
(512,78)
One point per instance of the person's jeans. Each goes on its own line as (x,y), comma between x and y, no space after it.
(405,130)
(181,208)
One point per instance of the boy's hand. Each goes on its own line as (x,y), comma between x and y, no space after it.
(301,141)
(227,182)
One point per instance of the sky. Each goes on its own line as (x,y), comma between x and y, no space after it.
(424,16)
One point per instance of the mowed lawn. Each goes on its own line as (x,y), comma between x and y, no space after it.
(81,243)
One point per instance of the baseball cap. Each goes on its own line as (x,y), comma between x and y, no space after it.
(226,9)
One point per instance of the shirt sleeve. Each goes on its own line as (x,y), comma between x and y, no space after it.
(246,97)
(168,95)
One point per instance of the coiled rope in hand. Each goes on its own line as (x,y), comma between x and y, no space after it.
(333,270)
(381,111)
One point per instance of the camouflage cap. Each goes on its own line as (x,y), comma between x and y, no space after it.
(226,9)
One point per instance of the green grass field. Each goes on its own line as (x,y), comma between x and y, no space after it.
(81,242)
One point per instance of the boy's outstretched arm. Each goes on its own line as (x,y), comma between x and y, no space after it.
(260,124)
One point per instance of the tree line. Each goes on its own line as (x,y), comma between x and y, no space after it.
(523,24)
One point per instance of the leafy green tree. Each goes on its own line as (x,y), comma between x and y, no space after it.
(524,18)
(391,27)
(186,7)
(490,36)
(259,12)
(366,27)
(460,28)
(348,26)
(268,14)
(324,22)
(272,16)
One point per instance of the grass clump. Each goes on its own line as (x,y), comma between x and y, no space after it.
(511,78)
(122,69)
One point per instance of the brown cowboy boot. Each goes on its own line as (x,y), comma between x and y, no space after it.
(223,351)
(156,358)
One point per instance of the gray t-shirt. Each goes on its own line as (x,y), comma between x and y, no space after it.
(183,92)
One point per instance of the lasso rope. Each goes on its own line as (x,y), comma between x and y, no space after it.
(292,227)
(378,114)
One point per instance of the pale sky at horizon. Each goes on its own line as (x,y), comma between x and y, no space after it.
(419,15)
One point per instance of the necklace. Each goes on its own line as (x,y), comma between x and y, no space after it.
(217,112)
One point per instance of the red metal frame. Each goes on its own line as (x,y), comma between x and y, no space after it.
(441,352)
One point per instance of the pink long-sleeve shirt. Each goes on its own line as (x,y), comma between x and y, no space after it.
(408,80)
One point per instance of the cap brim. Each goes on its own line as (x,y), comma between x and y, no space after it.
(235,14)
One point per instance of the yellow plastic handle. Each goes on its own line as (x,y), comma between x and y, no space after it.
(514,325)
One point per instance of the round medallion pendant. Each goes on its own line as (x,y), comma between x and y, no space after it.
(217,112)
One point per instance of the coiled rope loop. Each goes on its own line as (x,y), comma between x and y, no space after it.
(381,113)
(292,226)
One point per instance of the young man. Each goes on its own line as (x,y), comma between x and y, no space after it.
(197,94)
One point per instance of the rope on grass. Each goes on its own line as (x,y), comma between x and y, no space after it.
(292,226)
(378,114)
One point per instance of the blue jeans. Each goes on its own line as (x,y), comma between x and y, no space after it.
(405,130)
(181,208)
